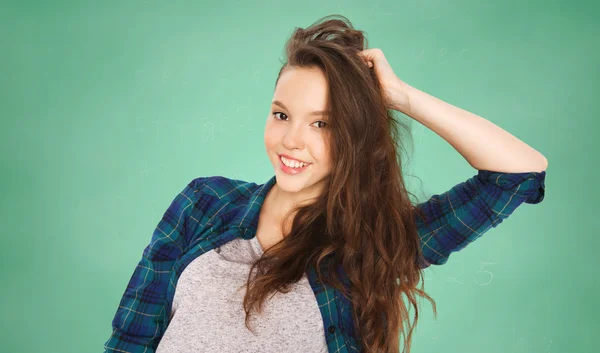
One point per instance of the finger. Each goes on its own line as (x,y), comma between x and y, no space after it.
(371,54)
(373,57)
(376,56)
(366,59)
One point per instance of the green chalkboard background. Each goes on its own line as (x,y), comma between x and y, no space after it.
(108,108)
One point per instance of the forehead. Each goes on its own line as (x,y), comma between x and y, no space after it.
(302,90)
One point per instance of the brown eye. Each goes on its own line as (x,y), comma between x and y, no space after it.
(274,114)
(322,122)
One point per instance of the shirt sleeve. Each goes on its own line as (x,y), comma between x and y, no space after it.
(450,221)
(138,323)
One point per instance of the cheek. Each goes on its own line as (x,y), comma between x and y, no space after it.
(320,152)
(268,135)
(272,137)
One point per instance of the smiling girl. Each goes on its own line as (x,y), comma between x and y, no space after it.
(319,257)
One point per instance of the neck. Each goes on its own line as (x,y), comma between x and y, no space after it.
(278,202)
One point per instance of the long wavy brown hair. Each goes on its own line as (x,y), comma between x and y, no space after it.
(364,219)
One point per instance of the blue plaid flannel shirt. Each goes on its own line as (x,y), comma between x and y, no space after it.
(211,211)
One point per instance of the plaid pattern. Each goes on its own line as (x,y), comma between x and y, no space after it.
(457,217)
(211,211)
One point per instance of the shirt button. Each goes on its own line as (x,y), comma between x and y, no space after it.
(331,329)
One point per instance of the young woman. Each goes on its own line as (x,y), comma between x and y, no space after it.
(319,257)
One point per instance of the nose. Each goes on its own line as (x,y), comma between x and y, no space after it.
(294,137)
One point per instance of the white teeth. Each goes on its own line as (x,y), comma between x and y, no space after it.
(292,164)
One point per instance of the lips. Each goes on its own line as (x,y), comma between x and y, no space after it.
(291,170)
(292,158)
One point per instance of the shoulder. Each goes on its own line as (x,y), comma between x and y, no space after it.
(222,188)
(217,201)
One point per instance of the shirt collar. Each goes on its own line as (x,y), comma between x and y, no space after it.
(247,215)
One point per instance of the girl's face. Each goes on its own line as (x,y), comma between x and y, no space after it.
(297,127)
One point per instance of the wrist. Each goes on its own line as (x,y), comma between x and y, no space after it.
(400,97)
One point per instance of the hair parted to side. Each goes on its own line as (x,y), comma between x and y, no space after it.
(364,219)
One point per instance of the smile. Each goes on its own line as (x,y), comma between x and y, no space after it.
(292,167)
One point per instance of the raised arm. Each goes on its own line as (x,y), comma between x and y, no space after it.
(510,171)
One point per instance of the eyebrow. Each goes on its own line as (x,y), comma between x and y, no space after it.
(318,112)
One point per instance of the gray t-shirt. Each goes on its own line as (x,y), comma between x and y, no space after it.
(208,316)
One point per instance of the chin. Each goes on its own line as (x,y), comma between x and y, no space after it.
(292,183)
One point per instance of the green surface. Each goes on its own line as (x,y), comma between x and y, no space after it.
(108,109)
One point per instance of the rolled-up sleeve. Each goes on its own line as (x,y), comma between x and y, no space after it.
(450,221)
